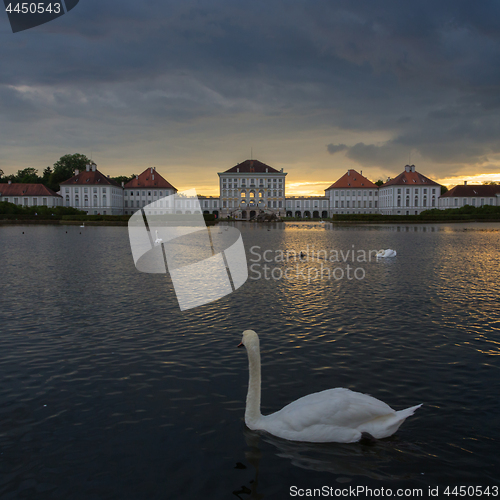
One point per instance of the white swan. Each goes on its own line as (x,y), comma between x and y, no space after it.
(335,415)
(83,224)
(386,253)
(158,240)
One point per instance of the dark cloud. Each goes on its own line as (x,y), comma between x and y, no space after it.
(332,148)
(424,74)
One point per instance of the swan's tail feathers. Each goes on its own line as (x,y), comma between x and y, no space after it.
(402,414)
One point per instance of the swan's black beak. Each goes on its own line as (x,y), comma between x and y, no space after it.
(240,344)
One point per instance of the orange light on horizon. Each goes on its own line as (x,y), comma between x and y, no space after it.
(449,182)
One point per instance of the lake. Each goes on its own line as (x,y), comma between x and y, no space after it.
(109,391)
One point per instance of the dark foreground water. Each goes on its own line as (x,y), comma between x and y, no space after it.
(108,391)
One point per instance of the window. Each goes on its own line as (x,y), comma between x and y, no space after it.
(348,193)
(45,201)
(369,194)
(336,204)
(95,201)
(399,190)
(143,193)
(347,206)
(76,190)
(342,204)
(341,193)
(369,204)
(16,201)
(465,201)
(425,191)
(149,193)
(359,193)
(85,190)
(103,190)
(35,201)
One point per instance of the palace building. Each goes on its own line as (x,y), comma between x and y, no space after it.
(251,187)
(93,192)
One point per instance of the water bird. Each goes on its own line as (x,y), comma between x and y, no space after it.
(83,224)
(158,240)
(335,415)
(386,253)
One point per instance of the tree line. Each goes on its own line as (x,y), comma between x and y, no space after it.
(62,170)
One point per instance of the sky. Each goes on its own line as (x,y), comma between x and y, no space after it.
(314,87)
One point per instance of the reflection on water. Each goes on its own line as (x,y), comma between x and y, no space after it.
(109,391)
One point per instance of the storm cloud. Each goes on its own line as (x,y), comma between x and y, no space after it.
(186,83)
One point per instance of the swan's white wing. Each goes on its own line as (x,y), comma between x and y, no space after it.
(339,407)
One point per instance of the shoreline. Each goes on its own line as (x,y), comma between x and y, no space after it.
(8,222)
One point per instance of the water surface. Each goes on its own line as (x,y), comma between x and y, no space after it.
(110,391)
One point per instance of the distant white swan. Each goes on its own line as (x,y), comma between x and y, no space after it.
(386,253)
(83,224)
(335,415)
(158,240)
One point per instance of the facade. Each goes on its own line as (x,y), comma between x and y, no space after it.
(210,205)
(408,194)
(93,192)
(251,187)
(477,196)
(147,188)
(29,195)
(308,206)
(353,194)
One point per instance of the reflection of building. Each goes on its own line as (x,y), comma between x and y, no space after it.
(29,195)
(307,206)
(93,192)
(251,187)
(353,194)
(477,196)
(408,194)
(147,188)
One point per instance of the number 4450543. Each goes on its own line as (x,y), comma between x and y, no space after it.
(34,8)
(471,491)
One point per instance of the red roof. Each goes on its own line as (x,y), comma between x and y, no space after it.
(472,191)
(21,189)
(252,166)
(150,178)
(90,177)
(410,177)
(352,179)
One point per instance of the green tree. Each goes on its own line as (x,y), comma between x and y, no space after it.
(123,178)
(379,182)
(490,183)
(443,189)
(1,172)
(65,167)
(46,175)
(28,175)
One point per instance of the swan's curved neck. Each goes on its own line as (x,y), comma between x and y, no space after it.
(252,411)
